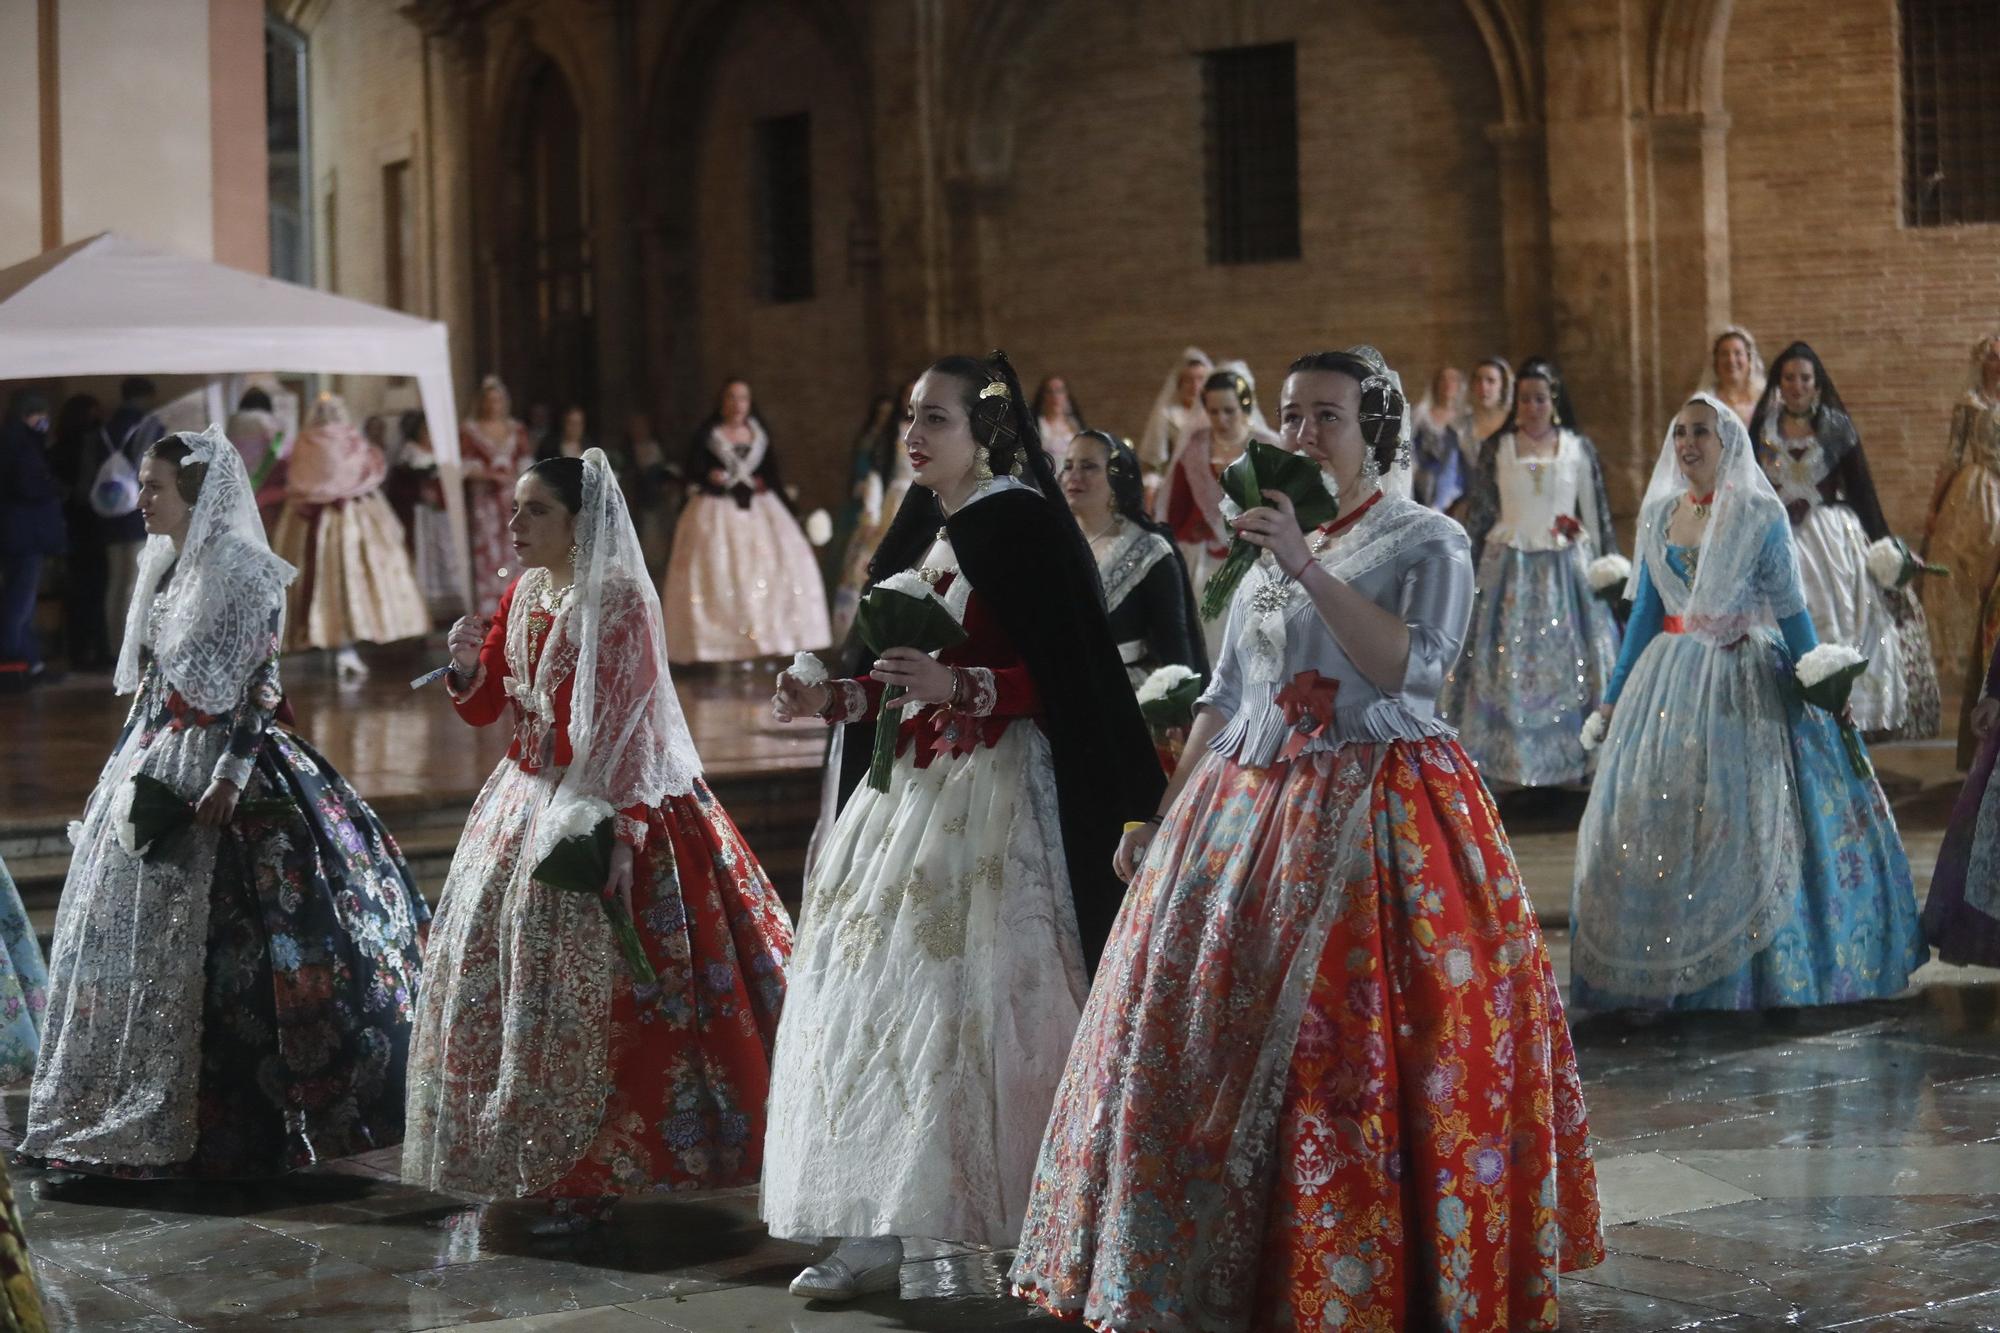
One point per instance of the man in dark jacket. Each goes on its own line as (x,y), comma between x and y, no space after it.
(31,528)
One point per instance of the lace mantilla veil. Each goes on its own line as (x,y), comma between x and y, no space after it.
(1727,600)
(629,741)
(213,625)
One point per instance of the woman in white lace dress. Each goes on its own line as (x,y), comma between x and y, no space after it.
(951,919)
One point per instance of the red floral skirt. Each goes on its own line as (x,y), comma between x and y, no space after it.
(1429,1163)
(690,1063)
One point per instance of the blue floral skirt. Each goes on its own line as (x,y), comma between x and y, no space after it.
(1538,654)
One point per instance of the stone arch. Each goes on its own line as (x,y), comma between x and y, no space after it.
(1508,45)
(682,312)
(1689,41)
(540,246)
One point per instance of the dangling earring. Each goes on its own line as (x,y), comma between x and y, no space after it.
(1371,471)
(1016,470)
(982,470)
(575,558)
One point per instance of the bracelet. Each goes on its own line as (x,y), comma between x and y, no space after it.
(957,688)
(825,713)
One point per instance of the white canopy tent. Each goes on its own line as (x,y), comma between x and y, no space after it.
(108,306)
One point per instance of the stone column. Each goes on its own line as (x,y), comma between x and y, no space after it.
(1595,230)
(1524,234)
(1690,236)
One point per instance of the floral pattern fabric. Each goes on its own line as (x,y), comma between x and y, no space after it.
(304,984)
(1429,1165)
(24,985)
(1537,658)
(539,1066)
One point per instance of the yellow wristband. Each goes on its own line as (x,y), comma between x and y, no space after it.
(1131,824)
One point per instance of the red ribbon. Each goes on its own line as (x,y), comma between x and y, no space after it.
(1307,703)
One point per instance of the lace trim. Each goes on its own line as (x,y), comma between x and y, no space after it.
(230,768)
(460,696)
(981,694)
(847,701)
(630,831)
(1129,562)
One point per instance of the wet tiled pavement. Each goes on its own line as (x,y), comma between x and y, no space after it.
(1836,1168)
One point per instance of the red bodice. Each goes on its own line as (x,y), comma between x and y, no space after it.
(540,711)
(935,730)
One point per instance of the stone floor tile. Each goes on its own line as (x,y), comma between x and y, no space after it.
(604,1319)
(1812,1172)
(75,1303)
(1646,1185)
(324,1294)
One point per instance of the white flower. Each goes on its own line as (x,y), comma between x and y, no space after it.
(1164,682)
(1594,728)
(807,670)
(75,831)
(907,582)
(819,527)
(571,817)
(1458,966)
(1826,660)
(1887,559)
(1608,571)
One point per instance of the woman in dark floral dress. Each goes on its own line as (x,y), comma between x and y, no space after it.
(233,999)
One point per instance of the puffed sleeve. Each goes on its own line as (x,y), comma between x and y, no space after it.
(1225,688)
(1434,599)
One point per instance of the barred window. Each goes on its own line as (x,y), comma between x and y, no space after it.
(1951,112)
(782,208)
(1251,125)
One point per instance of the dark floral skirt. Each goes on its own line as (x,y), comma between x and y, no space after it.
(315,952)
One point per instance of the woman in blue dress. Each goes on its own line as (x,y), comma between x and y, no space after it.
(1730,857)
(1541,642)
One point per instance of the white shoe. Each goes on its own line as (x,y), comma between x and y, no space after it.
(859,1266)
(348,666)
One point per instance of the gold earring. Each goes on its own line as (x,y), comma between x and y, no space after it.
(983,467)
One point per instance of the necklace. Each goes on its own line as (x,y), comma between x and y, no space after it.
(1111,529)
(1703,504)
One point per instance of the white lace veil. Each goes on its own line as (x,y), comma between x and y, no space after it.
(214,624)
(1259,426)
(1153,438)
(1728,600)
(629,742)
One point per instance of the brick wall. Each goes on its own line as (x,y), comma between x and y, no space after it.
(1100,270)
(807,361)
(1818,251)
(367,89)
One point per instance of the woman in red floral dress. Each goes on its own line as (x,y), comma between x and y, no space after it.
(539,1065)
(1323,1080)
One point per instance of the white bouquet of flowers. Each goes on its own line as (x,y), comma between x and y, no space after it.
(1608,575)
(1825,678)
(1892,564)
(819,527)
(1594,728)
(807,670)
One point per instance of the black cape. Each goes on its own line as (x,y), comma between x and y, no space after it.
(1030,567)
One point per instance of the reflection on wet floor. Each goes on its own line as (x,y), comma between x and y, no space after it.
(1835,1168)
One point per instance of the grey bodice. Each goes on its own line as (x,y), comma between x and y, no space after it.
(1427,581)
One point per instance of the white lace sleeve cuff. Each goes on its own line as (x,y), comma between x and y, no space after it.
(846,701)
(231,768)
(981,694)
(629,831)
(460,695)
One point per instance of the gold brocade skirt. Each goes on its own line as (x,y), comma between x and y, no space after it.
(356,583)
